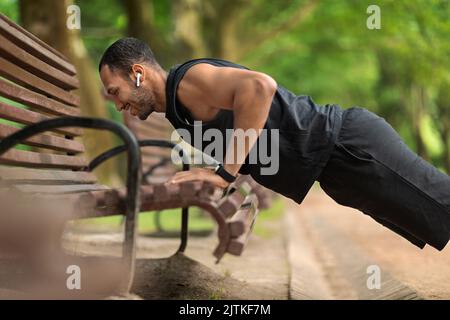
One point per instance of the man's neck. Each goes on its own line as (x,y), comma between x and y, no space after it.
(161,76)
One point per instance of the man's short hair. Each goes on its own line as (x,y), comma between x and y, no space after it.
(125,52)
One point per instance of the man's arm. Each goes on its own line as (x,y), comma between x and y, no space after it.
(205,89)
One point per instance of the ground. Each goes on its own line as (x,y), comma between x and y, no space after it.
(425,271)
(318,250)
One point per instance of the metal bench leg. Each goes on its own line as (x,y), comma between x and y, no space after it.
(157,221)
(184,229)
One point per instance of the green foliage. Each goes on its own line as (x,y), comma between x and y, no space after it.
(102,22)
(170,220)
(10,9)
(335,58)
(263,225)
(319,48)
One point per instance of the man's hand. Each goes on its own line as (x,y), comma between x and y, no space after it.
(199,174)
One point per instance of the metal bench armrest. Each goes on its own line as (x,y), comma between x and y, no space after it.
(142,143)
(133,177)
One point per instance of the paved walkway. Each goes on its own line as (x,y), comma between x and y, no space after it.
(262,272)
(347,246)
(319,250)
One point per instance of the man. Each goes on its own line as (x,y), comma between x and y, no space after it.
(357,157)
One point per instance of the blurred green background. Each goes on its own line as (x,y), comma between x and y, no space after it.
(318,48)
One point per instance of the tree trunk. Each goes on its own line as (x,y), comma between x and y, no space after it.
(188,33)
(221,20)
(141,25)
(47,20)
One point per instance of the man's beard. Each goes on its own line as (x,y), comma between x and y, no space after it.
(145,103)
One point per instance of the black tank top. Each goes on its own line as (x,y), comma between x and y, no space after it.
(307,133)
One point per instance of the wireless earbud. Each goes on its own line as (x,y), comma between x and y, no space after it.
(138,79)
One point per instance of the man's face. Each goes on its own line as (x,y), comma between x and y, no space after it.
(139,101)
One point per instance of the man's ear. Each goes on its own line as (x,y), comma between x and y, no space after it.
(137,68)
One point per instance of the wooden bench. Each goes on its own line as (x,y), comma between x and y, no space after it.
(36,93)
(158,166)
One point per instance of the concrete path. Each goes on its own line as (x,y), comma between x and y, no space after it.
(348,248)
(262,272)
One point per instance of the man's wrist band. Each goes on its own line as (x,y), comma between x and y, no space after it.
(228,177)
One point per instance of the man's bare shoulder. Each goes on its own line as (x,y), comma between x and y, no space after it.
(205,73)
(209,75)
(209,84)
(216,86)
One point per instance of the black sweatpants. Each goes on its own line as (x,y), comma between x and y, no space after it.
(371,169)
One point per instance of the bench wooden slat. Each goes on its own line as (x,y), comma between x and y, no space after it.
(164,171)
(155,179)
(242,221)
(146,162)
(146,130)
(24,116)
(229,205)
(237,246)
(42,160)
(41,176)
(30,81)
(241,225)
(35,100)
(151,158)
(156,127)
(163,192)
(40,68)
(159,177)
(45,141)
(146,165)
(144,135)
(63,189)
(156,121)
(156,151)
(34,45)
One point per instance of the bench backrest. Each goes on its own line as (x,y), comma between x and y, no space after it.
(157,166)
(37,83)
(158,127)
